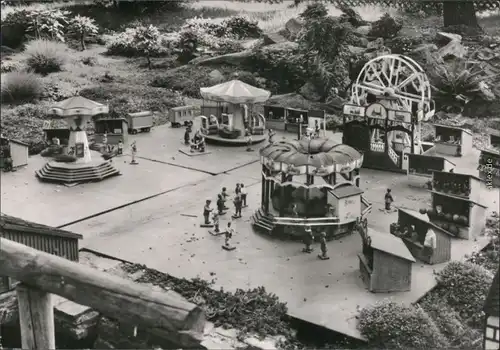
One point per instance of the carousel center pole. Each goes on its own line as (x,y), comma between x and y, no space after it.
(78,144)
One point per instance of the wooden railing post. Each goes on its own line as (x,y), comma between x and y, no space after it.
(36,318)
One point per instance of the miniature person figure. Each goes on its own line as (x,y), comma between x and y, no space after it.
(388,199)
(220,204)
(271,134)
(295,213)
(249,139)
(237,206)
(105,141)
(414,233)
(206,211)
(224,195)
(187,136)
(133,146)
(270,115)
(237,190)
(308,240)
(316,128)
(243,192)
(229,234)
(430,243)
(56,141)
(120,147)
(215,220)
(322,242)
(201,144)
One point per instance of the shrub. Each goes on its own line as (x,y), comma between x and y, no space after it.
(188,46)
(242,28)
(395,326)
(64,158)
(386,27)
(46,56)
(15,26)
(82,27)
(21,87)
(464,287)
(123,44)
(403,45)
(8,65)
(313,11)
(147,42)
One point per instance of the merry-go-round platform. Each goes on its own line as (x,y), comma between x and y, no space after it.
(218,140)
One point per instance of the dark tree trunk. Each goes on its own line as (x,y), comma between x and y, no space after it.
(149,61)
(459,13)
(82,42)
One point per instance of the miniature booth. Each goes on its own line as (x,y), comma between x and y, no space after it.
(452,141)
(495,138)
(491,310)
(296,120)
(287,119)
(115,129)
(183,115)
(140,121)
(13,153)
(386,263)
(459,185)
(310,183)
(79,166)
(412,227)
(423,165)
(489,167)
(56,128)
(275,117)
(383,118)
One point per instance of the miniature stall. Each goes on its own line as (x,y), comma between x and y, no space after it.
(78,165)
(459,185)
(140,121)
(383,119)
(385,263)
(421,166)
(310,183)
(275,117)
(56,128)
(489,167)
(296,120)
(13,153)
(412,227)
(239,125)
(183,115)
(452,140)
(494,138)
(111,130)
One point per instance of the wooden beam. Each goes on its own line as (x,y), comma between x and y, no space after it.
(113,296)
(36,317)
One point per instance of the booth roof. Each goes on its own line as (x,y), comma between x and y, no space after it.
(390,244)
(235,91)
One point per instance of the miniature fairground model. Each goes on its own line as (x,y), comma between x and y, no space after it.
(390,99)
(292,119)
(452,141)
(79,165)
(310,183)
(239,125)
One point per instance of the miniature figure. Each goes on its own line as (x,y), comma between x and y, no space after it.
(133,146)
(248,134)
(237,206)
(215,219)
(228,235)
(388,199)
(120,147)
(430,243)
(295,214)
(220,204)
(105,140)
(243,192)
(308,240)
(56,141)
(187,136)
(271,134)
(198,142)
(316,128)
(224,195)
(324,249)
(206,211)
(237,190)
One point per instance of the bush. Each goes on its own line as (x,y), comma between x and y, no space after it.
(395,326)
(313,11)
(403,45)
(8,65)
(46,56)
(82,27)
(241,27)
(464,287)
(21,87)
(123,44)
(386,27)
(188,46)
(64,158)
(14,28)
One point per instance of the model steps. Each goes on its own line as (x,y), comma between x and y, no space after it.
(53,172)
(263,222)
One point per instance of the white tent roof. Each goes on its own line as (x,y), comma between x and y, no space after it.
(235,91)
(77,106)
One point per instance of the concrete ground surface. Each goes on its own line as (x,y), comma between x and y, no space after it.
(163,232)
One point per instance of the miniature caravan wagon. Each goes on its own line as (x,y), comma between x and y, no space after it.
(140,121)
(452,141)
(183,115)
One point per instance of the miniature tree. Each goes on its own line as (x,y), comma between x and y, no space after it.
(48,24)
(147,41)
(83,27)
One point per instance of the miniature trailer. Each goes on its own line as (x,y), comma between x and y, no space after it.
(140,121)
(422,165)
(115,129)
(183,115)
(385,264)
(414,241)
(460,216)
(460,185)
(489,167)
(452,141)
(16,150)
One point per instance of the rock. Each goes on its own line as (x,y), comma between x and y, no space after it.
(215,77)
(407,32)
(294,26)
(284,46)
(454,49)
(308,91)
(425,48)
(376,44)
(233,59)
(445,38)
(351,16)
(355,50)
(363,30)
(486,92)
(274,38)
(486,54)
(360,41)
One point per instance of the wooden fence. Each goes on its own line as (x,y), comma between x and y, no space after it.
(42,274)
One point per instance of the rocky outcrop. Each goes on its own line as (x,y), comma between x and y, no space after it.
(274,38)
(294,26)
(308,90)
(232,59)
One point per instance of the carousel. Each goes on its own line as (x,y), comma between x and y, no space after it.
(76,164)
(310,183)
(234,121)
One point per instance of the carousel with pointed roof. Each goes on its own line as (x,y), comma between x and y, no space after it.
(310,183)
(77,165)
(234,121)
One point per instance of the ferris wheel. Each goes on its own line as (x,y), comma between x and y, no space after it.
(399,79)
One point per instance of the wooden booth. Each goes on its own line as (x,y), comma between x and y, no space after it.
(422,165)
(116,130)
(452,140)
(16,150)
(494,139)
(489,167)
(41,237)
(296,120)
(182,115)
(460,216)
(386,263)
(491,310)
(412,227)
(460,185)
(56,128)
(275,117)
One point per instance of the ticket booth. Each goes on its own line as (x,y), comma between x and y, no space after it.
(452,141)
(116,130)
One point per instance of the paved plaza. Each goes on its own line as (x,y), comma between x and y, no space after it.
(163,231)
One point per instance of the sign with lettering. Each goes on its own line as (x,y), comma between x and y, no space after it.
(376,111)
(79,149)
(354,110)
(399,116)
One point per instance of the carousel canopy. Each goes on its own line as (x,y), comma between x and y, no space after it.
(235,91)
(316,156)
(77,106)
